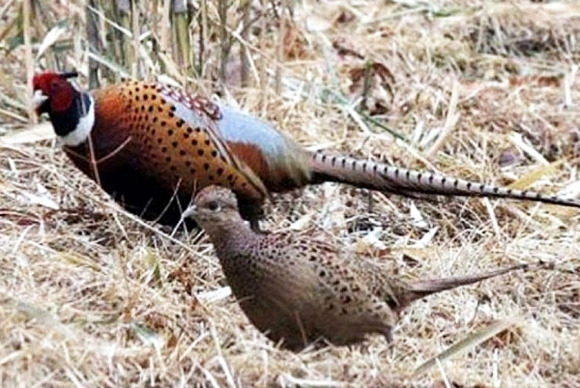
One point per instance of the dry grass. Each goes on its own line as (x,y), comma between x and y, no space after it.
(90,296)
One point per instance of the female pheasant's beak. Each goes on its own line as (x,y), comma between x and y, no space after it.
(38,98)
(190,212)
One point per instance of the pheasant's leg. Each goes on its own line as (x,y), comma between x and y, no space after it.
(388,334)
(255,225)
(251,211)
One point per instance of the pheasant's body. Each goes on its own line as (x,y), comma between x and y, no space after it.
(298,289)
(152,147)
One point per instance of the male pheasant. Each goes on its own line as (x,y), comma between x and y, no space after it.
(152,147)
(298,289)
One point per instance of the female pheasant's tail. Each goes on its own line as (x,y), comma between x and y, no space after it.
(422,288)
(382,177)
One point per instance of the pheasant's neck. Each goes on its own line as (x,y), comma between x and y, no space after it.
(74,125)
(234,238)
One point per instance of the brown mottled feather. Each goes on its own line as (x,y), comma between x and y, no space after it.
(298,289)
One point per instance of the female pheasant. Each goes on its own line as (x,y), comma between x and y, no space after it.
(298,289)
(152,147)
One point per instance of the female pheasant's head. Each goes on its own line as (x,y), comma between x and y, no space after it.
(71,112)
(214,208)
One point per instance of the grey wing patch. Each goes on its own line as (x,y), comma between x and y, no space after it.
(236,126)
(200,112)
(232,125)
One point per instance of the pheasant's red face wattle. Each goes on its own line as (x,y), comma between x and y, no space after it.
(52,91)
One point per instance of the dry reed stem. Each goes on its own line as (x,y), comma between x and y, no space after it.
(28,59)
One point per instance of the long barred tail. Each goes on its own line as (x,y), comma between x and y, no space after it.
(423,288)
(382,177)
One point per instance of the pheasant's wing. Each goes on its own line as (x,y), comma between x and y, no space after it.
(200,112)
(281,162)
(370,273)
(346,300)
(380,283)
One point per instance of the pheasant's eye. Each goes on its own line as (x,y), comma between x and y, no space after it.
(213,206)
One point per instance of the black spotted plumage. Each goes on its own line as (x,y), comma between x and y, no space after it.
(298,289)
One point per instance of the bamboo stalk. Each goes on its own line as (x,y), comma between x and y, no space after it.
(244,60)
(29,62)
(124,20)
(180,17)
(263,70)
(94,42)
(280,52)
(135,16)
(164,28)
(224,41)
(202,38)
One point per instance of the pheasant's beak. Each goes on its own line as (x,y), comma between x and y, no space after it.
(38,98)
(189,212)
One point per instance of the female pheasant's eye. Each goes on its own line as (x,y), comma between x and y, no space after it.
(213,206)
